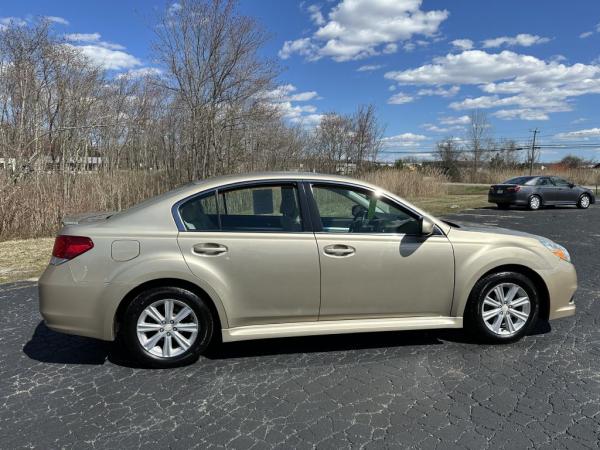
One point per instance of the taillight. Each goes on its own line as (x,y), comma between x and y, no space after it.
(514,189)
(69,247)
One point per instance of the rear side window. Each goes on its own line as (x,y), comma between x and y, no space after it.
(261,208)
(200,213)
(274,208)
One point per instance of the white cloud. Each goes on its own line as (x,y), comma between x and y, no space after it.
(283,98)
(369,67)
(524,40)
(461,120)
(83,37)
(56,19)
(5,22)
(141,73)
(580,134)
(108,58)
(533,87)
(463,44)
(440,91)
(107,55)
(356,29)
(586,34)
(303,47)
(400,98)
(288,93)
(403,140)
(316,15)
(521,113)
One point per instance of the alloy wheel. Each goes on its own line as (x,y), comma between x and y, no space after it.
(585,201)
(506,309)
(534,202)
(167,328)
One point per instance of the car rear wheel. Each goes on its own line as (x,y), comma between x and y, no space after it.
(167,327)
(502,307)
(584,202)
(503,205)
(535,203)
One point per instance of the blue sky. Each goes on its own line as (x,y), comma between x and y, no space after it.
(424,64)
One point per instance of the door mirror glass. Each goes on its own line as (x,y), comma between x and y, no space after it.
(426,227)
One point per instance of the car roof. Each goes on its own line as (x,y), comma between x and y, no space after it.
(259,176)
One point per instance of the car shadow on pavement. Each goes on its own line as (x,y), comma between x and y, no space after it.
(50,347)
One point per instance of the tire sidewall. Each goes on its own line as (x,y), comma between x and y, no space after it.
(132,314)
(474,319)
(580,204)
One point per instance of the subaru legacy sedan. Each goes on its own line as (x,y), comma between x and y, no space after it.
(288,254)
(535,192)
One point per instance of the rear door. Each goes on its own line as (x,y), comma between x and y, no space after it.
(253,244)
(374,263)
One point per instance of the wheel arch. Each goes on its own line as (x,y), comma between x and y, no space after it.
(220,322)
(536,279)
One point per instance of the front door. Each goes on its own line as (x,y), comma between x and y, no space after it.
(374,262)
(253,248)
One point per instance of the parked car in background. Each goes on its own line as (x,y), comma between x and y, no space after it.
(535,192)
(288,254)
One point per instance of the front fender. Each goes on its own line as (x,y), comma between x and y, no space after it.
(473,261)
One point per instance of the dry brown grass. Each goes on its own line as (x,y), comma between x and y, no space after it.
(34,206)
(22,259)
(410,184)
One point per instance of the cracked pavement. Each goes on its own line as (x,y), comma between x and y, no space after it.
(433,389)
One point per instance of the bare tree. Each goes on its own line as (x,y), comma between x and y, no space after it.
(478,137)
(367,135)
(215,75)
(448,151)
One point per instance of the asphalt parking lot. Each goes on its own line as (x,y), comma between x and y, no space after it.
(422,389)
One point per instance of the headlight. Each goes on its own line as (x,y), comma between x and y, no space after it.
(555,248)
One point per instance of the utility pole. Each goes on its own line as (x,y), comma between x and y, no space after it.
(532,155)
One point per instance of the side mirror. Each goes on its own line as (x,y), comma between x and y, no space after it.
(426,226)
(571,185)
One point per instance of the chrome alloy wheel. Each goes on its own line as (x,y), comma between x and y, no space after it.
(585,201)
(167,328)
(534,202)
(506,309)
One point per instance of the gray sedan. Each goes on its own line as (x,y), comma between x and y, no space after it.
(535,192)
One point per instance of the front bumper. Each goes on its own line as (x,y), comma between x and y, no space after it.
(562,285)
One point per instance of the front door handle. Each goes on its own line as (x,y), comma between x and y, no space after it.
(339,250)
(209,249)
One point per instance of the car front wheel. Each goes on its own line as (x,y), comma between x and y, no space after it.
(584,202)
(502,307)
(167,327)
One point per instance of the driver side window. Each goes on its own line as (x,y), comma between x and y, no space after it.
(351,210)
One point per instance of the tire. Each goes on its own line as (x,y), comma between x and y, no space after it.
(483,324)
(584,202)
(534,203)
(503,206)
(179,352)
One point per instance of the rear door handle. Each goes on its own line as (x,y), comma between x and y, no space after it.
(339,250)
(209,249)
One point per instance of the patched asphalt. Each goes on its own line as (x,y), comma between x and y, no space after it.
(432,389)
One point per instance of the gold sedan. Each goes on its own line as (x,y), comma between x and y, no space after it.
(291,254)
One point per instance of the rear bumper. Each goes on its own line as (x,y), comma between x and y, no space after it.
(70,307)
(511,199)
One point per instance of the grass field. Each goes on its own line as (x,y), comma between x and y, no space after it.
(27,258)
